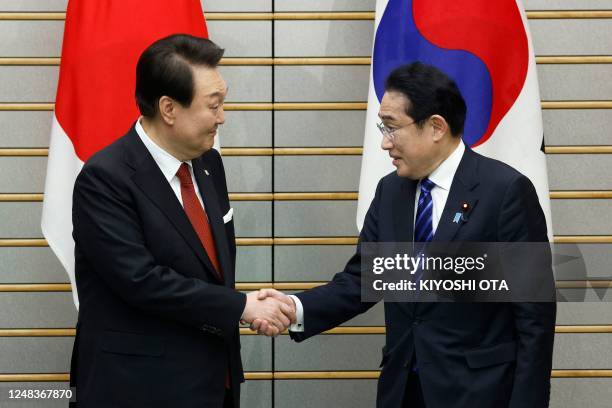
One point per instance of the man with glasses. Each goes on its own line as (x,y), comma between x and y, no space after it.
(490,355)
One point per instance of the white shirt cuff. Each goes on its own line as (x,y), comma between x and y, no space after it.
(298,326)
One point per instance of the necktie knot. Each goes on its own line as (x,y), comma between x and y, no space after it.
(183,175)
(427,185)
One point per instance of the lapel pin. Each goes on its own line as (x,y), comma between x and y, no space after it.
(465,208)
(207,173)
(457,218)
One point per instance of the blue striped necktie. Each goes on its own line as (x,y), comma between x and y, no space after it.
(423,227)
(423,232)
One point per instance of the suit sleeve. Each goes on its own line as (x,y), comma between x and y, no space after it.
(108,232)
(522,220)
(327,306)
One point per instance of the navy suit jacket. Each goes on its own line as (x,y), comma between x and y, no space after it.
(156,327)
(489,355)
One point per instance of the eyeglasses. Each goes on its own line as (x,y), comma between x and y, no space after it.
(389,133)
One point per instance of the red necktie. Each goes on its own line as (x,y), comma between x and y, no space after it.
(198,218)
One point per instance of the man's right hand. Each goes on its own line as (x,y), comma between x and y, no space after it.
(277,313)
(261,325)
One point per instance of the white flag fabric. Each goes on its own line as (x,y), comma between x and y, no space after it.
(486,48)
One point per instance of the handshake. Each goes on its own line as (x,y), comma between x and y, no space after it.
(269,312)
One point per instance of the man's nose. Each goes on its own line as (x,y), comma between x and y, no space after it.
(220,116)
(386,144)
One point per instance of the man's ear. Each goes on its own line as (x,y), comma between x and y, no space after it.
(167,110)
(440,127)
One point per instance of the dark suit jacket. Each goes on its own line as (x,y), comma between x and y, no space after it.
(489,355)
(156,327)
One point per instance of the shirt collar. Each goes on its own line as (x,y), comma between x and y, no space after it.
(443,175)
(167,163)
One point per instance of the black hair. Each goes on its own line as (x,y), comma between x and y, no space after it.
(164,68)
(429,92)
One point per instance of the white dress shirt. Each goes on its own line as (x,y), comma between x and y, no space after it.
(442,177)
(168,164)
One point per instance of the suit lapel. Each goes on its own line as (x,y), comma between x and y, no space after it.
(149,178)
(463,190)
(215,218)
(403,211)
(403,223)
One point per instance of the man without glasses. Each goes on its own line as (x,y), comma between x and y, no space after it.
(155,248)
